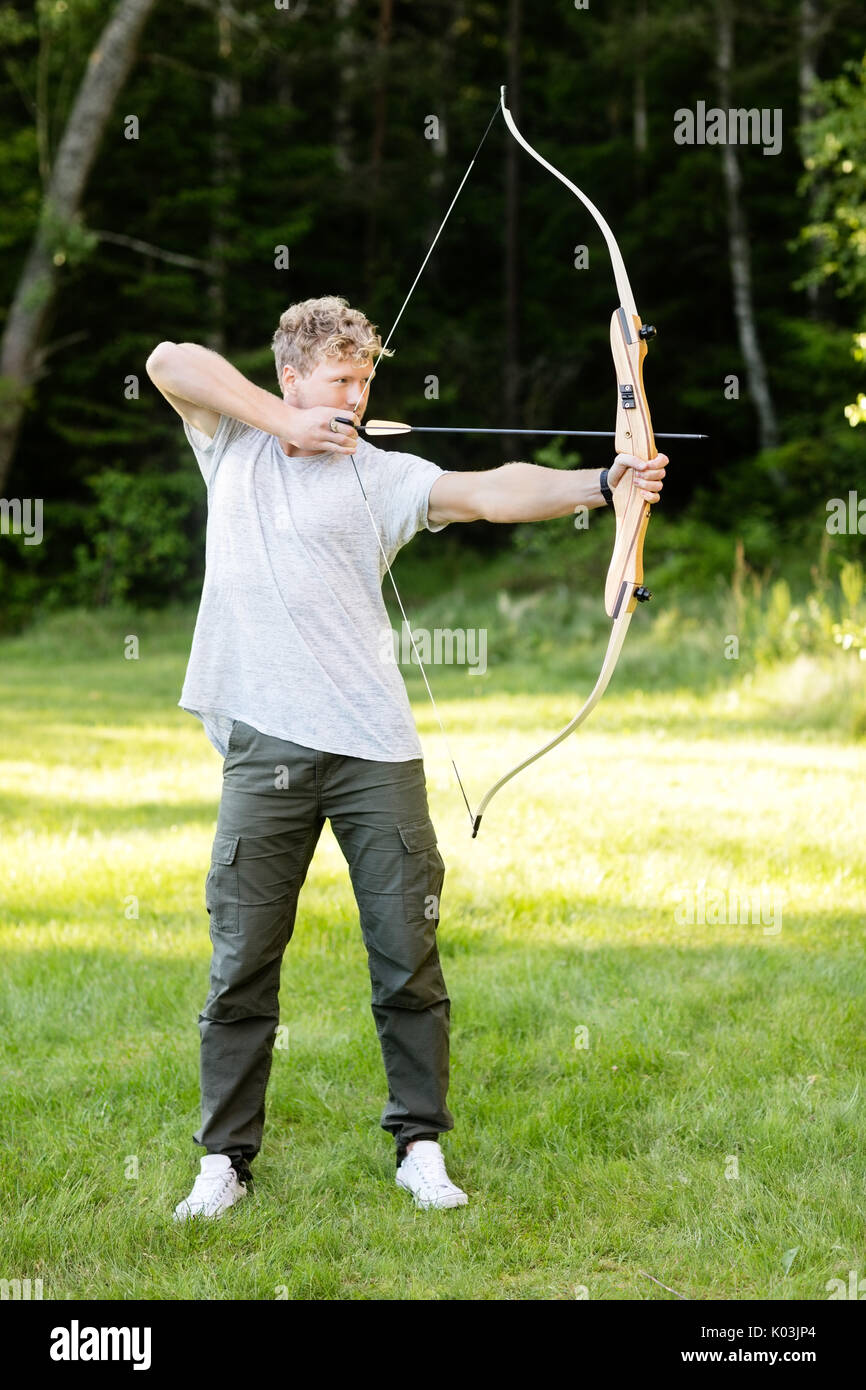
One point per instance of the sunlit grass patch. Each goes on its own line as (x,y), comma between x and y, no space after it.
(654,952)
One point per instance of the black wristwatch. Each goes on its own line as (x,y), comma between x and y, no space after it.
(605,490)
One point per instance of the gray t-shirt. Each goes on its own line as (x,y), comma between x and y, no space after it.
(292,635)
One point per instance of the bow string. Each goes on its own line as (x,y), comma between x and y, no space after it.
(633,435)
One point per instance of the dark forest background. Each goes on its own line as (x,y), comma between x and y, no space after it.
(305,126)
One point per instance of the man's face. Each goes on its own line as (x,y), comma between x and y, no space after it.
(332,382)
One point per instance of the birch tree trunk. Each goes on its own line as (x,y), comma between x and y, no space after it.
(225,104)
(441,67)
(445,57)
(738,245)
(639,99)
(344,75)
(811,33)
(512,233)
(21,349)
(377,150)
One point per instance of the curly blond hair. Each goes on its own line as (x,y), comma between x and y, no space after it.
(325,327)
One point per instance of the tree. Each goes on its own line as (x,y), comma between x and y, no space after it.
(58,232)
(738,244)
(835,145)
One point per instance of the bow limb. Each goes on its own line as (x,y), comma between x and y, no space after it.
(633,435)
(611,656)
(626,298)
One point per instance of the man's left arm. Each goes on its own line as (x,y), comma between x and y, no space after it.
(529,492)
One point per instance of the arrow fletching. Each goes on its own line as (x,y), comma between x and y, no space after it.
(376,428)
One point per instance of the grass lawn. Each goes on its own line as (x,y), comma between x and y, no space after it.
(638,1097)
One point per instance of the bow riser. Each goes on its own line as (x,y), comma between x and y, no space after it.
(634,435)
(634,431)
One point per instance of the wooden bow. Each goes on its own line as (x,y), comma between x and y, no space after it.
(634,435)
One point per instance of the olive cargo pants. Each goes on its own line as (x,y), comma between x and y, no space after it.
(275,799)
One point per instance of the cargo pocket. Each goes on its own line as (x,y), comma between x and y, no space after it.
(221,885)
(423,872)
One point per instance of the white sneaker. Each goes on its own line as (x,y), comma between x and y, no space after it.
(422,1173)
(216,1188)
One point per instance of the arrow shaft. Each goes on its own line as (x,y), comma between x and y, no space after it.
(474,429)
(583,434)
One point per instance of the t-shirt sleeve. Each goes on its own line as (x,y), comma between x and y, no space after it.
(209,452)
(404,497)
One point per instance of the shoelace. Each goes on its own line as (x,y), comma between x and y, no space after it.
(208,1188)
(431,1166)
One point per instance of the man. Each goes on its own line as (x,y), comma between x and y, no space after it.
(286,674)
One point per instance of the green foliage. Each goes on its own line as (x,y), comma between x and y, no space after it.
(849,632)
(855,413)
(139,537)
(294,164)
(21,583)
(69,241)
(836,179)
(775,627)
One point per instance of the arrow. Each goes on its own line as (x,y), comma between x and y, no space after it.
(375,429)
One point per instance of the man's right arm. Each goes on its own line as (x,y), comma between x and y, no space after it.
(202,386)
